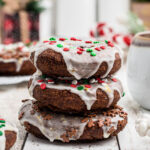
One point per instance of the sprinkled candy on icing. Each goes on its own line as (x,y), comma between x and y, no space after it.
(83,88)
(56,126)
(5,126)
(82,58)
(17,53)
(2,124)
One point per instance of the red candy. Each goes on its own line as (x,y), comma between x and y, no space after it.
(100,81)
(88,42)
(115,80)
(97,48)
(50,80)
(73,85)
(73,39)
(79,52)
(110,44)
(102,47)
(62,39)
(81,49)
(52,42)
(40,80)
(43,86)
(66,49)
(88,86)
(45,41)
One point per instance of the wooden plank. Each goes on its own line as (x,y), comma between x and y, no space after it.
(34,143)
(10,102)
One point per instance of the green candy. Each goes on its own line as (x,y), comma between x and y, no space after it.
(95,42)
(1,133)
(2,121)
(52,39)
(80,88)
(89,50)
(106,41)
(93,54)
(123,94)
(2,125)
(59,45)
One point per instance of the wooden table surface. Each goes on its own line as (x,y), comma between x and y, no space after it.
(128,139)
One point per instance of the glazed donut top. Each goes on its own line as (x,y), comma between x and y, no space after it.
(5,126)
(82,58)
(14,53)
(11,51)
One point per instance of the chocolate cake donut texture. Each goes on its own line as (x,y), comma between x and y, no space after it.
(14,60)
(74,90)
(8,135)
(76,58)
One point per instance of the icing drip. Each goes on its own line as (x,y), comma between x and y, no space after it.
(82,65)
(88,95)
(8,127)
(12,49)
(59,124)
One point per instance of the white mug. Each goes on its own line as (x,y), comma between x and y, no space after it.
(138,69)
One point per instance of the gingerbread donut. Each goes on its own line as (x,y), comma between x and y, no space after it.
(14,60)
(8,135)
(76,58)
(46,124)
(75,96)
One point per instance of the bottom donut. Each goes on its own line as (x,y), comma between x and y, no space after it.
(46,124)
(8,135)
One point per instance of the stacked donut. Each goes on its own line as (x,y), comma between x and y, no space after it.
(74,90)
(14,60)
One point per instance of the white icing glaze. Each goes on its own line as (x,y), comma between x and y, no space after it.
(12,47)
(80,66)
(88,95)
(58,125)
(8,127)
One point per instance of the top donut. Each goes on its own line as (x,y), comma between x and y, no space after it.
(62,57)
